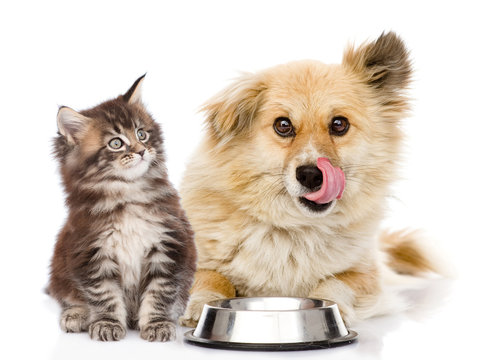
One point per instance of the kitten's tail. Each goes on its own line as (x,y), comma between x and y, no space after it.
(408,253)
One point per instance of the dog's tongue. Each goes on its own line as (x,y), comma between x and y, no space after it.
(333,183)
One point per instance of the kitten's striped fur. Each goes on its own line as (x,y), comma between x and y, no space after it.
(125,257)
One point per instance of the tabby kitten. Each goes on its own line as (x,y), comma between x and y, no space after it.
(125,257)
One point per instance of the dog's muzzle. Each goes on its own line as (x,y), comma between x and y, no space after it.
(325,181)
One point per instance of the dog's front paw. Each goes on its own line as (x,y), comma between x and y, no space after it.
(335,290)
(158,331)
(195,306)
(106,330)
(347,312)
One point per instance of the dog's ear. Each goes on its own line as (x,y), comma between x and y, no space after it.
(232,111)
(384,64)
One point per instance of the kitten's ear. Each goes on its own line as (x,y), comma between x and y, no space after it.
(133,95)
(232,110)
(384,63)
(70,123)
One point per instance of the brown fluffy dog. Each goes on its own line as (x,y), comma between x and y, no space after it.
(256,234)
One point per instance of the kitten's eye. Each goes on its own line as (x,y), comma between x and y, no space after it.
(283,127)
(142,135)
(115,143)
(339,125)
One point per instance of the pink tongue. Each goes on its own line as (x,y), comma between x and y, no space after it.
(333,183)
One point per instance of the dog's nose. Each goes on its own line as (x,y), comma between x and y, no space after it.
(309,176)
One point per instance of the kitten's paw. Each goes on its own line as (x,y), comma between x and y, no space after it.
(106,330)
(195,306)
(74,319)
(158,331)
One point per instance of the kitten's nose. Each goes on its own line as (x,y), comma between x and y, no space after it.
(309,176)
(141,152)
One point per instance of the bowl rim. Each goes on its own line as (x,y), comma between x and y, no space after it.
(213,304)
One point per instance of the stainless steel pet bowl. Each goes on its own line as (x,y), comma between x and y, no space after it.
(270,323)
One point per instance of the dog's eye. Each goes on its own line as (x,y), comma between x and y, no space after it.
(339,125)
(283,127)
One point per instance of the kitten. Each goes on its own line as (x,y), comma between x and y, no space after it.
(125,257)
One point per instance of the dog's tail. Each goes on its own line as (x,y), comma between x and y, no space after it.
(408,253)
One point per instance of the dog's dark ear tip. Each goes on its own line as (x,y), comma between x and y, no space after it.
(388,35)
(384,63)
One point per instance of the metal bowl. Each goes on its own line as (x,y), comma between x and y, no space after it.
(270,323)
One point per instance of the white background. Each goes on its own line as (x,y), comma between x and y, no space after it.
(81,53)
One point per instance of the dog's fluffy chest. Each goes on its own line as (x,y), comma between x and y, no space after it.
(273,262)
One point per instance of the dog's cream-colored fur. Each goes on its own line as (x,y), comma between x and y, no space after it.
(253,235)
